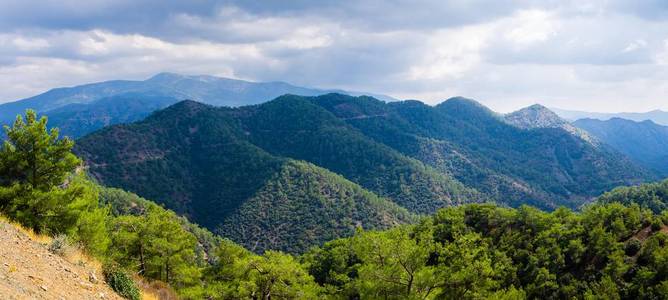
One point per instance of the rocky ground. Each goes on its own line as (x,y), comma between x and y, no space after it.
(28,270)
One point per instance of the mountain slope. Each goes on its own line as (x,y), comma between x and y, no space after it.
(652,196)
(30,271)
(86,107)
(241,171)
(546,167)
(198,160)
(294,126)
(325,206)
(552,159)
(645,142)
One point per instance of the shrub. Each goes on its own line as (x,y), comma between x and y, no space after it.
(632,247)
(121,282)
(657,224)
(60,245)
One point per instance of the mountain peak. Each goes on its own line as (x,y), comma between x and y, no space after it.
(461,100)
(538,107)
(168,77)
(162,76)
(539,116)
(535,116)
(179,110)
(466,108)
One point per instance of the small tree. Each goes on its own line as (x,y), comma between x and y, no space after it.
(35,166)
(155,246)
(275,275)
(34,156)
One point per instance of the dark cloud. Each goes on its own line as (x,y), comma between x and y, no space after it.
(507,53)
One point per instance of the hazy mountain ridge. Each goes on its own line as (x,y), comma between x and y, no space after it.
(657,116)
(645,142)
(82,109)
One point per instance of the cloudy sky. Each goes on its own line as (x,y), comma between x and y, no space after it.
(588,55)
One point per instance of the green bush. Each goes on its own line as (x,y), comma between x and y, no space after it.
(60,245)
(121,282)
(632,247)
(657,224)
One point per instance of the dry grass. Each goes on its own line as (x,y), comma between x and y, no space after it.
(40,238)
(76,255)
(151,290)
(148,296)
(79,257)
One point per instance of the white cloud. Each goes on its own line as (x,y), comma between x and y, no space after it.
(595,54)
(530,26)
(450,53)
(661,56)
(635,45)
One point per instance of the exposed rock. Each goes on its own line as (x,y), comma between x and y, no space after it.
(92,278)
(538,116)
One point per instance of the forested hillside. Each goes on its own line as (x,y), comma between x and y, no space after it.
(303,205)
(199,161)
(652,196)
(612,249)
(233,169)
(645,142)
(296,127)
(545,167)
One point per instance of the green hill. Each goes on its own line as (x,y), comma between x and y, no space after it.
(545,167)
(645,142)
(198,160)
(296,127)
(652,196)
(303,205)
(228,169)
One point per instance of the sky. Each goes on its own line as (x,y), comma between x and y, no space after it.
(605,56)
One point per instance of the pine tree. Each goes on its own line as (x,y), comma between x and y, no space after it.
(38,185)
(34,156)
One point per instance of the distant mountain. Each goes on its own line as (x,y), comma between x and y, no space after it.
(645,142)
(538,116)
(82,109)
(657,116)
(76,120)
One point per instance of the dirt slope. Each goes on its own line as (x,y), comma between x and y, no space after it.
(29,271)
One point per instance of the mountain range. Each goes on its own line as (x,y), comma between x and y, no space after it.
(310,166)
(645,142)
(656,116)
(82,109)
(297,170)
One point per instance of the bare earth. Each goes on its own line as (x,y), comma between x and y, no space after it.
(29,271)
